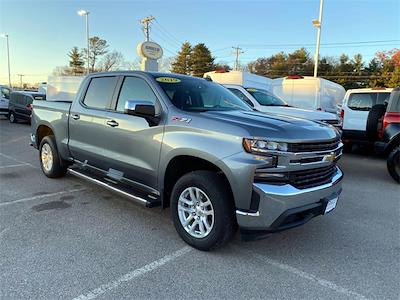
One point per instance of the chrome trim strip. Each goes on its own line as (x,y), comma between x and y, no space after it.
(243,213)
(289,190)
(105,185)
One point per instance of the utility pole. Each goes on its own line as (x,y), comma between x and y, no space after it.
(317,24)
(146,26)
(238,51)
(20,80)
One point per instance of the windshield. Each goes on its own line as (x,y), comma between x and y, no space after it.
(195,94)
(265,98)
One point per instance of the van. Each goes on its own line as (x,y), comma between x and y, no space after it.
(20,105)
(309,92)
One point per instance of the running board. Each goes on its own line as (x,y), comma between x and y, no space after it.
(110,185)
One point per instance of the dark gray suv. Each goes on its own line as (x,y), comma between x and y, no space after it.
(20,105)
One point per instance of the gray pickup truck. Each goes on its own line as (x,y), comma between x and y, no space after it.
(190,144)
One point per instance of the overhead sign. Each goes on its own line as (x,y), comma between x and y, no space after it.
(150,50)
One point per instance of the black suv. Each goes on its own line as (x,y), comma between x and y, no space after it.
(388,131)
(20,105)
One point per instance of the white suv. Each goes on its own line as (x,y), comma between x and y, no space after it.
(356,106)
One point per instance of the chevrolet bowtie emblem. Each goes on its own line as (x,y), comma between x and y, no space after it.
(330,157)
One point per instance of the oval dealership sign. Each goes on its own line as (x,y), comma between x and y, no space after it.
(150,50)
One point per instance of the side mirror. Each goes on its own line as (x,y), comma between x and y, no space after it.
(145,109)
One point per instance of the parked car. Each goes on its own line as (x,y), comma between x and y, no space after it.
(187,143)
(4,97)
(388,132)
(20,105)
(253,89)
(355,109)
(309,92)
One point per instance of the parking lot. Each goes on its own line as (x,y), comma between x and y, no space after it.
(66,238)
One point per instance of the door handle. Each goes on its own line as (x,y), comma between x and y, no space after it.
(112,123)
(75,117)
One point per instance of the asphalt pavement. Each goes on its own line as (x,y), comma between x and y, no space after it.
(69,239)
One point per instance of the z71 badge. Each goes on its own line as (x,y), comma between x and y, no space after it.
(180,119)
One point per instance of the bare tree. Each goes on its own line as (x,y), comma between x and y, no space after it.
(111,61)
(98,47)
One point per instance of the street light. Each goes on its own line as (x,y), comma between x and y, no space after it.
(4,35)
(317,24)
(86,14)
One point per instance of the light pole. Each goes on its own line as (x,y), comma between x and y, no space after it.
(3,35)
(317,24)
(86,14)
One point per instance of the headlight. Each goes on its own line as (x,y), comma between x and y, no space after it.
(262,147)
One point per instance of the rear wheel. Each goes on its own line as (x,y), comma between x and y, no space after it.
(202,210)
(12,117)
(393,164)
(52,164)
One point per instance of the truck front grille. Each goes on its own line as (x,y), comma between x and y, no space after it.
(311,178)
(314,147)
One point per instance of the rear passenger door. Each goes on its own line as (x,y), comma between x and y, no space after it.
(88,122)
(133,145)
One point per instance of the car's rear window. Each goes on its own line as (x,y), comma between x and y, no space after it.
(364,101)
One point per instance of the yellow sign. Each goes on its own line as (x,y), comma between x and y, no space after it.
(251,90)
(168,79)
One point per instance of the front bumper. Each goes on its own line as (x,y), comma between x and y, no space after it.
(284,206)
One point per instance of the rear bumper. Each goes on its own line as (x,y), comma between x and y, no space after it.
(283,206)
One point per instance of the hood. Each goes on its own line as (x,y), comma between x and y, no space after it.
(273,126)
(300,113)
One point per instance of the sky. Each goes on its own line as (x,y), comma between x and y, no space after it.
(42,32)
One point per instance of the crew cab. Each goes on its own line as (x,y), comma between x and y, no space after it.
(189,144)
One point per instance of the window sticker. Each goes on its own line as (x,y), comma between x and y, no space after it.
(168,79)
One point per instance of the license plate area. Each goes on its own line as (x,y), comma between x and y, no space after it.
(330,204)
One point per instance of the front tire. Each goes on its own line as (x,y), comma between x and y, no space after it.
(53,166)
(202,210)
(393,164)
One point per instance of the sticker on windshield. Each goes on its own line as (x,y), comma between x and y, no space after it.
(168,79)
(251,90)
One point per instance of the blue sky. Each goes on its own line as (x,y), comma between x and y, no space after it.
(42,32)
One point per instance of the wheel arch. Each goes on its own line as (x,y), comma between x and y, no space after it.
(182,164)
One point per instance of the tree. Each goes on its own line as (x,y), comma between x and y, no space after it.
(387,73)
(76,61)
(358,64)
(111,61)
(222,66)
(182,65)
(98,47)
(201,60)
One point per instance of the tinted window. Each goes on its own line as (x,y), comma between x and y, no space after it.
(28,100)
(134,89)
(265,98)
(362,101)
(195,94)
(241,96)
(100,92)
(382,97)
(394,103)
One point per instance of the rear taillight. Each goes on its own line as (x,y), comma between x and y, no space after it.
(29,106)
(391,117)
(294,77)
(342,113)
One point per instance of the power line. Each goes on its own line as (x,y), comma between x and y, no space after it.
(169,33)
(311,44)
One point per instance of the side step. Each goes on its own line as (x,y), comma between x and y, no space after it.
(122,190)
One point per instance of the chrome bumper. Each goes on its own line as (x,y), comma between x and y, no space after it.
(278,200)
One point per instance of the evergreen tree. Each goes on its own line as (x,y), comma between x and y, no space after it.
(201,60)
(76,62)
(181,65)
